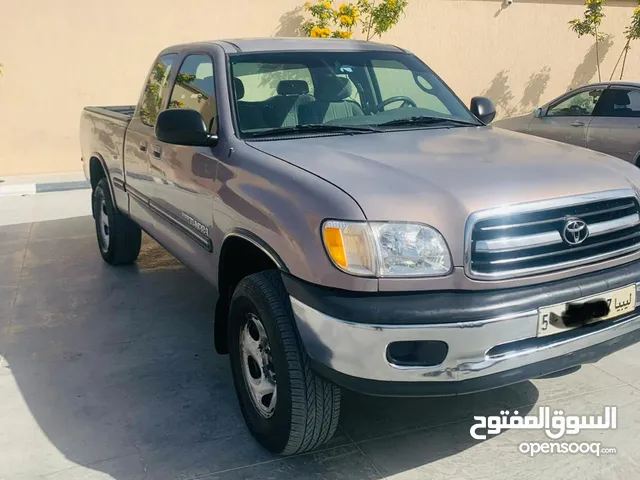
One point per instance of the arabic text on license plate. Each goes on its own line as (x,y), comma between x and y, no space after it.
(621,301)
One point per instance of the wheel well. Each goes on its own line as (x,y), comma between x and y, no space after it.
(96,172)
(238,259)
(636,160)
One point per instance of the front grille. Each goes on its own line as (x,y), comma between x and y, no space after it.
(532,240)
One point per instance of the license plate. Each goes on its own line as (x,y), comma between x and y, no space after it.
(620,301)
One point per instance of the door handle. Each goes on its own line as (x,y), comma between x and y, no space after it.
(577,123)
(143,146)
(157,152)
(159,170)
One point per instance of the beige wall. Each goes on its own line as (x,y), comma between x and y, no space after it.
(59,55)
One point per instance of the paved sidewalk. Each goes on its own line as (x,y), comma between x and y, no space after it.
(44,207)
(110,373)
(32,184)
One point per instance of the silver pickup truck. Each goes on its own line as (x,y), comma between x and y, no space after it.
(363,228)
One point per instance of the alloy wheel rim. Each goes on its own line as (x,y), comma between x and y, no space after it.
(257,366)
(103,225)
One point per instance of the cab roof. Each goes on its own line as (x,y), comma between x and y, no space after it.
(283,44)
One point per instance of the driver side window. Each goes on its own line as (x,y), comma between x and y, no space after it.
(394,79)
(194,89)
(578,105)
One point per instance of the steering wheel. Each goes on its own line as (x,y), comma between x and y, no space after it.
(577,110)
(406,102)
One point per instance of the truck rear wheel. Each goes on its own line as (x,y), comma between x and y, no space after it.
(119,238)
(286,406)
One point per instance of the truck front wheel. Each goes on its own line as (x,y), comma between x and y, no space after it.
(119,238)
(286,406)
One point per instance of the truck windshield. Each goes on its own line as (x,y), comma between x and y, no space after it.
(387,90)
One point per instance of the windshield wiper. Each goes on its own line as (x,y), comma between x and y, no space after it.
(313,128)
(426,120)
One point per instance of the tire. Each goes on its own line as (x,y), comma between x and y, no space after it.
(119,238)
(307,407)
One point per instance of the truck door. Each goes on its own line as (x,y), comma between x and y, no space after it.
(568,119)
(140,175)
(185,194)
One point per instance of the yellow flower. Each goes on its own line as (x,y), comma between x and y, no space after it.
(392,3)
(326,4)
(342,7)
(636,11)
(320,32)
(342,34)
(346,20)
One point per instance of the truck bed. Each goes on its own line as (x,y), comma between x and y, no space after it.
(102,135)
(119,112)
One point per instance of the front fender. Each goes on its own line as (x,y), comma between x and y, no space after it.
(281,207)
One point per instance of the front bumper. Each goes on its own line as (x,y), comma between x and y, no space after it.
(483,353)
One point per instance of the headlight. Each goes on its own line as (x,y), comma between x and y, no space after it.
(386,249)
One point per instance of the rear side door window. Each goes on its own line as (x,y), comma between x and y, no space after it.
(194,88)
(155,88)
(619,102)
(634,102)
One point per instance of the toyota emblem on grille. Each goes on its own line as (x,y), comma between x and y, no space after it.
(575,231)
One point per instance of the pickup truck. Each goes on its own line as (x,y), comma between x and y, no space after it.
(362,227)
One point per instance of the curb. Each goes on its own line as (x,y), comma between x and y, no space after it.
(33,188)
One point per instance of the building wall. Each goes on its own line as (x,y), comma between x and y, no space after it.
(60,55)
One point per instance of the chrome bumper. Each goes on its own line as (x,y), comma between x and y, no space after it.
(360,350)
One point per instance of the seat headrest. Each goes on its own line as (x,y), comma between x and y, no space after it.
(293,87)
(331,88)
(205,84)
(620,98)
(239,87)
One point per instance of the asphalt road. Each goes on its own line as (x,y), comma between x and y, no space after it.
(111,373)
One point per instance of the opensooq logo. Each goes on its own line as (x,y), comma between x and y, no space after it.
(555,426)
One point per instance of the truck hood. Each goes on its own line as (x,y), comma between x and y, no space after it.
(440,176)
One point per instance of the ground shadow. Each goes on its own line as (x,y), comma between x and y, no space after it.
(562,373)
(117,367)
(290,24)
(588,69)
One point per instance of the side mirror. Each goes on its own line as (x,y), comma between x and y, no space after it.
(483,109)
(183,126)
(537,112)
